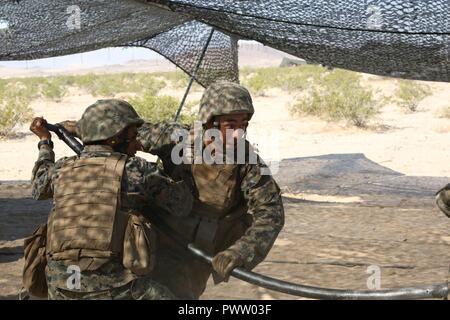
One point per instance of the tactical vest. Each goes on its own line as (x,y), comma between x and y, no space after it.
(218,216)
(87,225)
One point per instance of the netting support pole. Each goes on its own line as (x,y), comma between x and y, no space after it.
(194,75)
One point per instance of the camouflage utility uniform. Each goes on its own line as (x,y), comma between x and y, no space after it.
(142,184)
(235,207)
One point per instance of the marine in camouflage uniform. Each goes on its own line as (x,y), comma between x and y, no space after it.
(237,213)
(141,185)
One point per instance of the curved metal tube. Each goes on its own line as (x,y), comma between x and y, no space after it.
(421,292)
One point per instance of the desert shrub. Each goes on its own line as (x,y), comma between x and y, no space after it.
(244,72)
(257,84)
(258,80)
(338,96)
(53,88)
(444,112)
(108,85)
(14,106)
(144,83)
(178,79)
(105,85)
(83,81)
(160,108)
(28,88)
(14,111)
(289,78)
(409,94)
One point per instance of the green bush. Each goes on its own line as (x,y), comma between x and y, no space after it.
(108,85)
(105,86)
(259,80)
(338,96)
(14,111)
(244,72)
(14,106)
(53,89)
(177,79)
(290,78)
(160,108)
(28,88)
(409,94)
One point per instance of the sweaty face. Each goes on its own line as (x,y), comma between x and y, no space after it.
(236,123)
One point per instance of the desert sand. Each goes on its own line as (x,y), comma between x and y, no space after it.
(410,143)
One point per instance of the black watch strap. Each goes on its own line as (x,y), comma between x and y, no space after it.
(47,142)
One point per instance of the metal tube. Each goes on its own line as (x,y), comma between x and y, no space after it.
(65,136)
(420,292)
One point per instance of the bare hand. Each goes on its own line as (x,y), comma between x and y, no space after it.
(38,128)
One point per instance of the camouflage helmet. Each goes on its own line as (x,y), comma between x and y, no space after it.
(224,97)
(105,119)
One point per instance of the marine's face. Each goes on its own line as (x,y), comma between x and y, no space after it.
(133,145)
(237,123)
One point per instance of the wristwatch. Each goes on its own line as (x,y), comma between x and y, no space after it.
(47,142)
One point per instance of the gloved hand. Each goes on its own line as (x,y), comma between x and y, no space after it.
(224,262)
(443,200)
(71,127)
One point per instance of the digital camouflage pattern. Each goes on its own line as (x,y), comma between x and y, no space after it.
(143,184)
(183,274)
(143,288)
(106,118)
(224,97)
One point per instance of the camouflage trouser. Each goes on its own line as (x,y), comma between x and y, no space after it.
(185,275)
(186,278)
(139,289)
(179,271)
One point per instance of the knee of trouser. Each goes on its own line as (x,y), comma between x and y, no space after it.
(145,288)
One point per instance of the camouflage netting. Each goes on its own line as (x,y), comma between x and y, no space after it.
(31,29)
(403,38)
(183,46)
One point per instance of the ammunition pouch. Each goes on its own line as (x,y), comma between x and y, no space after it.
(139,245)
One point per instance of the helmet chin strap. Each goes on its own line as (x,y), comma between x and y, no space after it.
(119,143)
